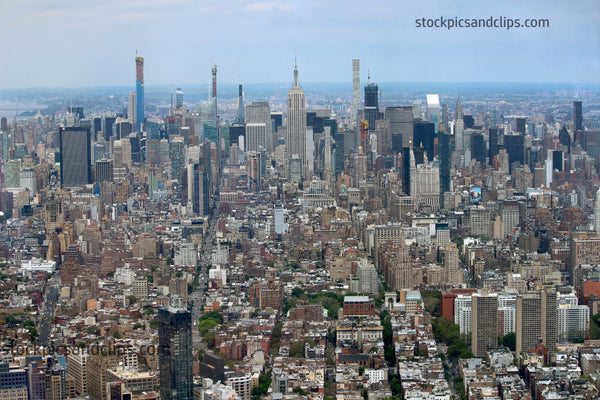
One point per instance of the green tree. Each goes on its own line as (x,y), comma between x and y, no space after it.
(329,390)
(207,325)
(92,330)
(297,349)
(276,339)
(388,339)
(300,391)
(264,382)
(447,332)
(131,299)
(214,315)
(460,387)
(396,385)
(509,340)
(209,339)
(431,299)
(33,333)
(595,327)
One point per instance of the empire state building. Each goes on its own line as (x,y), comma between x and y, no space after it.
(296,121)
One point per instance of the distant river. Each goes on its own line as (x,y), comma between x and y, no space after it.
(9,109)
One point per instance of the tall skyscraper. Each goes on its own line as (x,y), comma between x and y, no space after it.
(296,121)
(459,137)
(444,125)
(258,126)
(515,147)
(383,131)
(536,320)
(577,116)
(484,323)
(478,150)
(597,212)
(445,151)
(107,128)
(197,187)
(433,110)
(214,81)
(493,119)
(254,170)
(401,124)
(139,92)
(408,160)
(355,89)
(241,114)
(521,125)
(178,98)
(424,137)
(494,148)
(3,145)
(75,156)
(104,170)
(371,104)
(131,109)
(175,354)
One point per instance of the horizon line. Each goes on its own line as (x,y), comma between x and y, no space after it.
(349,83)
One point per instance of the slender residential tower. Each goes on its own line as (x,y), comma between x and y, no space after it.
(296,121)
(241,114)
(597,213)
(214,81)
(139,92)
(459,128)
(355,89)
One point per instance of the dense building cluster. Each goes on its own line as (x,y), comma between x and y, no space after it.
(301,247)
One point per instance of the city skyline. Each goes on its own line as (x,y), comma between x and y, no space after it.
(256,42)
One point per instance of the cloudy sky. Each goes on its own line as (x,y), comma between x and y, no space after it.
(48,43)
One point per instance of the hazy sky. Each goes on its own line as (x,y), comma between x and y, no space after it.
(47,43)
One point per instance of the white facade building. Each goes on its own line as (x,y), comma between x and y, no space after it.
(38,265)
(462,312)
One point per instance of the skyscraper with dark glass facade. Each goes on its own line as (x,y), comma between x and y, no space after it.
(75,156)
(494,148)
(515,147)
(424,136)
(478,150)
(372,104)
(175,354)
(445,150)
(577,116)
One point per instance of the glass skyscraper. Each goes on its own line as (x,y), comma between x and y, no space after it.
(139,92)
(175,354)
(75,156)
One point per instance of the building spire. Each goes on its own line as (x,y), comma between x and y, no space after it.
(295,72)
(459,110)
